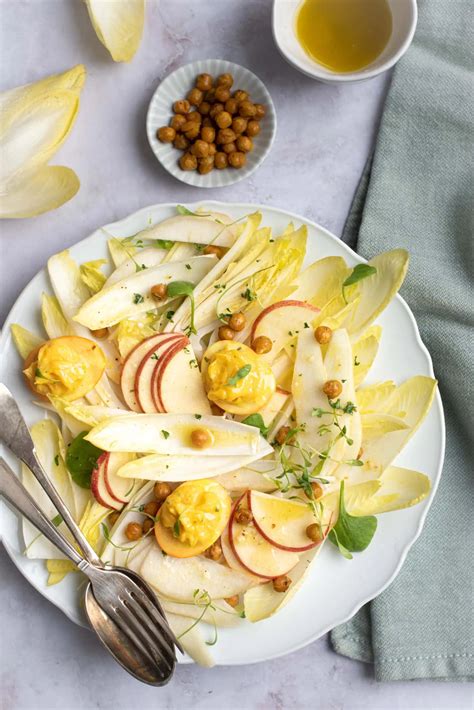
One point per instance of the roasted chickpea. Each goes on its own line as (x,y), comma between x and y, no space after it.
(166,134)
(188,162)
(177,122)
(239,125)
(282,436)
(317,489)
(225,135)
(207,122)
(243,516)
(247,109)
(100,333)
(323,334)
(195,96)
(151,508)
(314,532)
(232,601)
(200,149)
(204,108)
(232,106)
(226,333)
(194,116)
(212,249)
(253,128)
(229,148)
(133,531)
(281,583)
(214,552)
(212,149)
(208,134)
(148,524)
(201,438)
(194,131)
(332,388)
(206,164)
(181,106)
(237,321)
(216,109)
(159,291)
(259,111)
(222,94)
(220,161)
(244,144)
(225,80)
(237,159)
(204,82)
(262,345)
(223,119)
(113,517)
(161,491)
(240,95)
(181,142)
(210,95)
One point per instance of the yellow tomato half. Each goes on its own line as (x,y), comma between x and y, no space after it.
(68,367)
(236,378)
(192,518)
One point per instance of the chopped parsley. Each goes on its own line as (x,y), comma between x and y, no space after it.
(138,298)
(165,434)
(239,375)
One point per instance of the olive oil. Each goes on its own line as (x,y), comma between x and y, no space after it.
(344,35)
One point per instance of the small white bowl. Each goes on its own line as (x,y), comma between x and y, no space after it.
(175,87)
(404,19)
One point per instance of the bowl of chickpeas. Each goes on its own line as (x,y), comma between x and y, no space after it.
(211,123)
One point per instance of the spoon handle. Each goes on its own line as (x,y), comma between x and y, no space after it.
(14,491)
(15,435)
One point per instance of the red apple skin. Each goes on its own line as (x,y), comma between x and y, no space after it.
(276,544)
(233,547)
(108,486)
(159,370)
(279,304)
(97,472)
(124,386)
(165,343)
(281,390)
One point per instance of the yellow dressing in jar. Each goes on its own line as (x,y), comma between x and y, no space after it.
(344,35)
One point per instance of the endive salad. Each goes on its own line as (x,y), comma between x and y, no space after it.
(208,421)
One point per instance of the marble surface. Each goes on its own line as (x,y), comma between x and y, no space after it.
(324,136)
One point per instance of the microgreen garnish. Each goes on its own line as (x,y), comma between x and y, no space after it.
(181,209)
(256,420)
(176,528)
(249,295)
(239,375)
(163,244)
(184,288)
(352,533)
(198,416)
(356,362)
(359,272)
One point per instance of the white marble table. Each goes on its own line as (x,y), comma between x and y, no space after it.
(324,136)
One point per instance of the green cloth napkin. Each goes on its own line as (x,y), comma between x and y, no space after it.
(418,194)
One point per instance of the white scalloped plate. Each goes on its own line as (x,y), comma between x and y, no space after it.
(336,588)
(175,87)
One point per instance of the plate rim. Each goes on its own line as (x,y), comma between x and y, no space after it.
(250,207)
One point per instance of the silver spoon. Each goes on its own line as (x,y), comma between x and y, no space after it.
(138,647)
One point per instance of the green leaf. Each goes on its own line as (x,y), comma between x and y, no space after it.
(256,420)
(180,288)
(249,295)
(358,273)
(165,434)
(81,459)
(176,528)
(138,298)
(352,533)
(57,520)
(239,375)
(163,244)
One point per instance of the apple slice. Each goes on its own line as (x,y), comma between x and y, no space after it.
(153,358)
(132,363)
(254,552)
(179,384)
(120,489)
(232,560)
(99,487)
(281,521)
(155,382)
(281,321)
(276,403)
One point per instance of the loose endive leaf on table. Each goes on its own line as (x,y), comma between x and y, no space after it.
(34,122)
(118,25)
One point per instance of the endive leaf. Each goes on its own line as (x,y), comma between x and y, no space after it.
(25,341)
(374,425)
(400,488)
(44,190)
(365,351)
(118,25)
(92,275)
(375,398)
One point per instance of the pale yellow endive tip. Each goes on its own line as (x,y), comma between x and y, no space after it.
(118,25)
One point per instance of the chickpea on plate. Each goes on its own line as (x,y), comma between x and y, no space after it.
(209,423)
(214,126)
